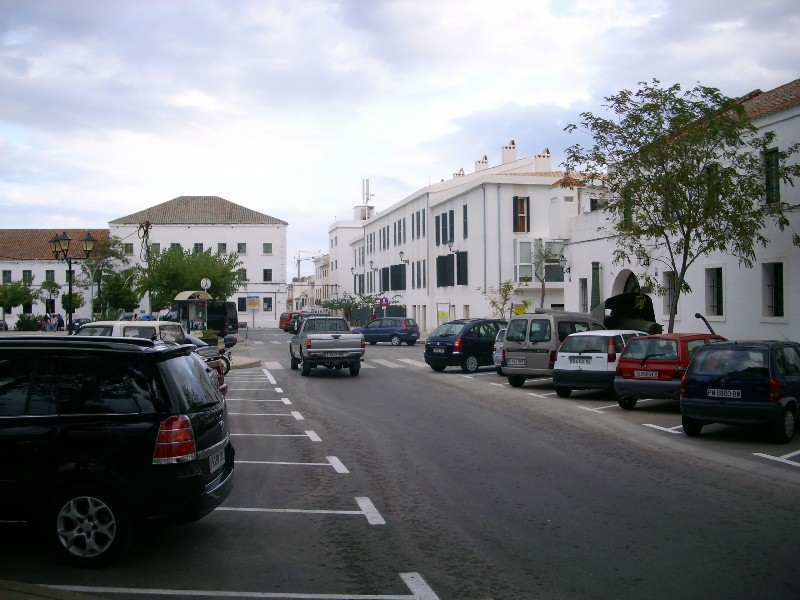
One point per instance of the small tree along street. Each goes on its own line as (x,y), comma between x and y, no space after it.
(15,294)
(175,270)
(501,298)
(685,177)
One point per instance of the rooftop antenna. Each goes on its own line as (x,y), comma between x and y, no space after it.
(365,195)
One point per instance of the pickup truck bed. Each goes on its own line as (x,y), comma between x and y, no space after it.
(326,341)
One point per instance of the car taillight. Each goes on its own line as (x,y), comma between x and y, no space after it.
(612,351)
(553,356)
(679,372)
(774,393)
(308,344)
(683,386)
(405,326)
(457,345)
(363,344)
(175,442)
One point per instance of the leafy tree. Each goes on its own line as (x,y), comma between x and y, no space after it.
(542,256)
(684,175)
(107,257)
(501,298)
(119,291)
(77,301)
(50,290)
(348,303)
(176,270)
(17,293)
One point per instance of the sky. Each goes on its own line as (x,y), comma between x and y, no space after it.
(108,107)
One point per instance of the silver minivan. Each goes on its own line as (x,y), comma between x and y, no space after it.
(532,340)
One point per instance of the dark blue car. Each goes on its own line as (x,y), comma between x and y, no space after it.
(396,330)
(743,382)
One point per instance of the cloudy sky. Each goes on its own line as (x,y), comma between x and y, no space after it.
(108,107)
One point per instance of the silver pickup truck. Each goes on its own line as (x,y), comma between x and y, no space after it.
(327,341)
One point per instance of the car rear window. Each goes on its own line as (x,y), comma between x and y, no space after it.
(655,349)
(447,330)
(189,378)
(585,343)
(94,330)
(732,362)
(567,327)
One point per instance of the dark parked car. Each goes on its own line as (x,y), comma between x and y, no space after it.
(462,343)
(396,330)
(743,382)
(652,366)
(100,434)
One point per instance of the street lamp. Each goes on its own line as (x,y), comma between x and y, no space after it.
(59,246)
(562,260)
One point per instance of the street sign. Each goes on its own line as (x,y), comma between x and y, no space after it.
(205,283)
(384,302)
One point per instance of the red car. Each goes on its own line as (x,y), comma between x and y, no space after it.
(651,366)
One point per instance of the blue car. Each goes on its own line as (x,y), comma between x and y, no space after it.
(396,330)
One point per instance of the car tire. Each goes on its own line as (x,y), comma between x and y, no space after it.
(499,371)
(438,368)
(627,402)
(516,380)
(372,343)
(783,429)
(470,364)
(305,367)
(355,367)
(294,362)
(226,364)
(691,427)
(395,339)
(412,342)
(563,392)
(87,526)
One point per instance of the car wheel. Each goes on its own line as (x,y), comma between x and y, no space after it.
(499,370)
(516,380)
(437,368)
(305,368)
(783,430)
(294,363)
(470,364)
(412,342)
(372,343)
(355,367)
(563,392)
(395,339)
(226,364)
(691,427)
(627,402)
(88,527)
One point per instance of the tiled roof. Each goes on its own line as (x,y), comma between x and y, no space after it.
(32,244)
(759,104)
(198,210)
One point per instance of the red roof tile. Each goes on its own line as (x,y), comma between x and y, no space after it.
(32,244)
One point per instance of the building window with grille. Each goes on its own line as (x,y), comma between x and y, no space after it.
(241,304)
(155,249)
(522,216)
(669,289)
(267,274)
(714,292)
(771,172)
(175,246)
(6,276)
(464,217)
(241,274)
(523,261)
(241,248)
(27,277)
(222,248)
(127,249)
(50,275)
(267,248)
(773,290)
(267,304)
(198,248)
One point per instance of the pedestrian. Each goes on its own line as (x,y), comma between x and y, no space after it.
(47,321)
(59,322)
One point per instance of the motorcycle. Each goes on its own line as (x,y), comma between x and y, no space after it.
(228,342)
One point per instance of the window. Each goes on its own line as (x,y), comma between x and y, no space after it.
(267,274)
(771,171)
(49,275)
(669,291)
(241,274)
(127,249)
(175,246)
(198,248)
(6,276)
(445,270)
(241,248)
(466,228)
(241,304)
(222,248)
(155,248)
(461,269)
(583,293)
(437,227)
(267,304)
(92,385)
(267,248)
(773,289)
(397,277)
(523,261)
(714,296)
(522,217)
(27,277)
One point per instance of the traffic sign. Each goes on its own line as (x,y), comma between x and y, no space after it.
(384,302)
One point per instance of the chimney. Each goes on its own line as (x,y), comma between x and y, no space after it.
(509,152)
(482,164)
(459,174)
(542,162)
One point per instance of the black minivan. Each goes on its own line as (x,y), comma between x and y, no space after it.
(754,382)
(465,343)
(98,434)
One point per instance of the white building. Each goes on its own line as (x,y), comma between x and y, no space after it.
(474,231)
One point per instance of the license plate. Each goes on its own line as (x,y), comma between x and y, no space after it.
(580,360)
(515,362)
(646,374)
(216,461)
(334,354)
(438,350)
(713,393)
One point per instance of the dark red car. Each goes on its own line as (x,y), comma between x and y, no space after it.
(651,366)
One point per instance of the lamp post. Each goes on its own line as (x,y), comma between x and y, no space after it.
(59,246)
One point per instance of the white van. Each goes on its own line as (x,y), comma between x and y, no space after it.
(532,340)
(166,331)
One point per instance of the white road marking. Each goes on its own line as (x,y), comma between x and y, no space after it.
(309,434)
(368,510)
(334,462)
(275,365)
(418,587)
(278,390)
(365,365)
(372,514)
(783,459)
(387,363)
(294,414)
(297,415)
(411,361)
(314,437)
(284,400)
(269,376)
(676,429)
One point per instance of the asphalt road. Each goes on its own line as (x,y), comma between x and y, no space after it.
(405,483)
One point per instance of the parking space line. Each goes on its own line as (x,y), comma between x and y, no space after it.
(365,365)
(590,409)
(275,365)
(419,588)
(269,376)
(294,414)
(368,510)
(677,429)
(334,462)
(411,361)
(284,400)
(782,459)
(309,434)
(540,395)
(387,363)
